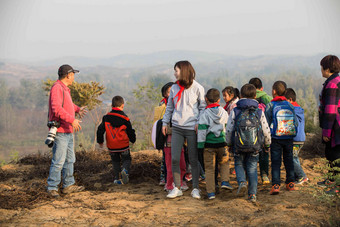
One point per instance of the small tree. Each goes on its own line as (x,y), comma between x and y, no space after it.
(85,94)
(146,98)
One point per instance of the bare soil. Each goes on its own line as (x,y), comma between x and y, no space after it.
(142,202)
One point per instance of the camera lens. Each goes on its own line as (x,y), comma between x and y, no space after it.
(51,136)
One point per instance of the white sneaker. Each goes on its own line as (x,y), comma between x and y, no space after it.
(174,193)
(195,193)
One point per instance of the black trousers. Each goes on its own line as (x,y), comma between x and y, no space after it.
(118,158)
(332,154)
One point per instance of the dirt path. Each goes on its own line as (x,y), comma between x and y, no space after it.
(144,203)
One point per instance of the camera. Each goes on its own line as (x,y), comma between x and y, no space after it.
(53,125)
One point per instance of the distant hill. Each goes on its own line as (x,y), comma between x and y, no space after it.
(156,63)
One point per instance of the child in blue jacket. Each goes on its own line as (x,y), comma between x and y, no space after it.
(283,123)
(299,139)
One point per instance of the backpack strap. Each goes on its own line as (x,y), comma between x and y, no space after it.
(119,115)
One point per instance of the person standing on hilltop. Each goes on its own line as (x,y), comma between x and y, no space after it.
(62,109)
(185,104)
(329,115)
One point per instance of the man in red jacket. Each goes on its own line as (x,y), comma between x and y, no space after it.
(62,110)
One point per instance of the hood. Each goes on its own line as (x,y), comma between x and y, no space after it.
(217,114)
(279,98)
(246,103)
(260,93)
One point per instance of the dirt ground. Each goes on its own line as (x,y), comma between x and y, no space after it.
(142,202)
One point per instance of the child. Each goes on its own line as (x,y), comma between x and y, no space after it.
(185,104)
(298,140)
(247,132)
(167,150)
(211,137)
(281,117)
(263,98)
(231,97)
(119,132)
(158,114)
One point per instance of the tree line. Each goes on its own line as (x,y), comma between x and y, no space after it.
(23,109)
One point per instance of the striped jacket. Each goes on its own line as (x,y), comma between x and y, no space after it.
(329,109)
(211,128)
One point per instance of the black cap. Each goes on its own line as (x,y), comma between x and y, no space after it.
(66,69)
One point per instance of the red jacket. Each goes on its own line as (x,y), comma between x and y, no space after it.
(61,108)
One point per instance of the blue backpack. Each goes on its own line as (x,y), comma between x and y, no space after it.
(248,134)
(284,121)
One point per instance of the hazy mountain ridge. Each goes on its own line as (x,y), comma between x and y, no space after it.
(155,63)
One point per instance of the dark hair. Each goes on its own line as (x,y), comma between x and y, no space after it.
(213,95)
(280,87)
(231,91)
(166,87)
(187,73)
(248,91)
(61,77)
(290,94)
(117,101)
(331,62)
(256,82)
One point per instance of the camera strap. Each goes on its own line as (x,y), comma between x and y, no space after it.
(48,112)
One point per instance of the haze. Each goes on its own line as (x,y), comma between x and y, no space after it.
(37,30)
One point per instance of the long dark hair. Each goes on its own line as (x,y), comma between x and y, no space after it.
(187,75)
(232,91)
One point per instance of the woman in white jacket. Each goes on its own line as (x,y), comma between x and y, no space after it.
(185,104)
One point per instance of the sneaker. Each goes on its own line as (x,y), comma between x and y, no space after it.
(242,188)
(53,193)
(162,182)
(290,186)
(226,185)
(333,191)
(211,195)
(188,177)
(125,176)
(252,198)
(202,177)
(184,186)
(72,188)
(195,193)
(302,180)
(265,179)
(117,182)
(325,183)
(275,189)
(174,193)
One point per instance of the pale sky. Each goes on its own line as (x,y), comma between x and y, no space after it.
(41,30)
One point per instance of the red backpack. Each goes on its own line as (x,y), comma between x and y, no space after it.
(116,137)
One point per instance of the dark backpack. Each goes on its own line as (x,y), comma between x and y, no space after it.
(160,138)
(248,134)
(284,121)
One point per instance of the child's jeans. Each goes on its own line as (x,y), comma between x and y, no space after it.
(210,156)
(264,163)
(117,158)
(279,148)
(298,171)
(247,163)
